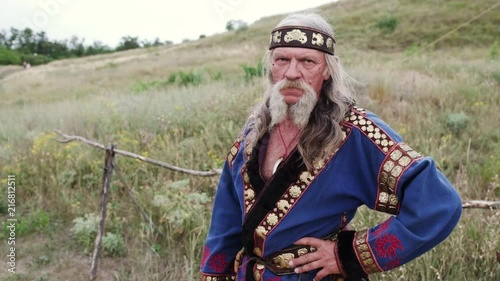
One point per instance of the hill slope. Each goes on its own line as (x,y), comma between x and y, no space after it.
(360,24)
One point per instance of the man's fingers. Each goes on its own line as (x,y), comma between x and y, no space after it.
(304,259)
(324,258)
(309,266)
(321,274)
(311,241)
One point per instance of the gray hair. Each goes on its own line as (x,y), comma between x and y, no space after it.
(322,134)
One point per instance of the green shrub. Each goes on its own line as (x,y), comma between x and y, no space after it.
(457,122)
(9,57)
(84,231)
(177,208)
(113,245)
(251,71)
(387,24)
(30,223)
(181,77)
(35,59)
(494,51)
(189,78)
(171,78)
(496,77)
(140,86)
(413,50)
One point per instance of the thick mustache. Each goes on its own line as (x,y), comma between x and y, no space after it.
(292,84)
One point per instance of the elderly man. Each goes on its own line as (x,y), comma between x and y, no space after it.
(304,162)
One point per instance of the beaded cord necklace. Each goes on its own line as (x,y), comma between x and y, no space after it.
(278,162)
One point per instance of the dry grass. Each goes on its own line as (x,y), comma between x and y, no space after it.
(181,125)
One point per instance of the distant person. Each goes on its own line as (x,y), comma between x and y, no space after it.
(306,159)
(26,65)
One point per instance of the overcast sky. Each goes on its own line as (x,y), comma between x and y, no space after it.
(109,20)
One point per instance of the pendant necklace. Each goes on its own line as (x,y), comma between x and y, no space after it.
(278,162)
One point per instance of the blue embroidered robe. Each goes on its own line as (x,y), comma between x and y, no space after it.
(372,167)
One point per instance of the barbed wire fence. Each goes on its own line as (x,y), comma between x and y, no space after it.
(110,166)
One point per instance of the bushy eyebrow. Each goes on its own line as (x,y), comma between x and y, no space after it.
(278,54)
(304,58)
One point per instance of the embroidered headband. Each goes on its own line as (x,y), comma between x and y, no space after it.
(303,37)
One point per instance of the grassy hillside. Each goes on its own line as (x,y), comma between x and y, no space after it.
(360,26)
(184,105)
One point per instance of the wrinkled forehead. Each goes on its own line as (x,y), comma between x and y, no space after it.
(297,52)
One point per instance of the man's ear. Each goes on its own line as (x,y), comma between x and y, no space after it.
(326,74)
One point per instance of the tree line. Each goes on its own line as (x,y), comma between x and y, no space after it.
(18,46)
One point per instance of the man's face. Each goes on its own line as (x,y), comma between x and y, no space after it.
(304,64)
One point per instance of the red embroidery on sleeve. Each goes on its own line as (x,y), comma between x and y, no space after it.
(391,265)
(204,257)
(276,278)
(218,262)
(387,245)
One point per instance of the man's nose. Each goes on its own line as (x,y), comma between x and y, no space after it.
(293,73)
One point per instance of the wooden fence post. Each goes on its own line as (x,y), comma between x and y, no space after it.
(109,163)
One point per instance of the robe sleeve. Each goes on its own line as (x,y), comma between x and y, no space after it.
(427,209)
(224,239)
(224,236)
(396,180)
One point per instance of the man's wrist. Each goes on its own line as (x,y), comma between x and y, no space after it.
(351,268)
(339,261)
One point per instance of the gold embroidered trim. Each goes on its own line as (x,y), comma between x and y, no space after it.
(248,191)
(393,167)
(398,158)
(357,117)
(258,271)
(292,195)
(296,35)
(287,201)
(231,155)
(217,278)
(276,37)
(364,253)
(317,39)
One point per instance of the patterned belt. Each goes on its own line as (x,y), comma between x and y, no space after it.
(277,262)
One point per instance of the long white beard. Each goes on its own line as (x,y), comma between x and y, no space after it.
(298,112)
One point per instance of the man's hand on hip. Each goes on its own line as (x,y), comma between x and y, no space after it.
(324,257)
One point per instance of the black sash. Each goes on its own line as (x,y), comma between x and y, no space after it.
(267,194)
